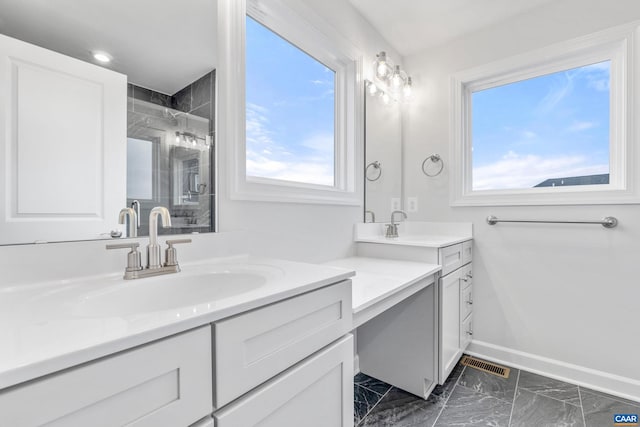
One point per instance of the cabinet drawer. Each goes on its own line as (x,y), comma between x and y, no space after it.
(450,258)
(166,383)
(466,302)
(466,276)
(317,392)
(466,332)
(467,251)
(252,347)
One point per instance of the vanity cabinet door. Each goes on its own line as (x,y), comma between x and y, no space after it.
(163,384)
(450,351)
(59,182)
(317,392)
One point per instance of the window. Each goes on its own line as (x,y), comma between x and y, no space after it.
(548,127)
(545,131)
(290,107)
(140,167)
(298,138)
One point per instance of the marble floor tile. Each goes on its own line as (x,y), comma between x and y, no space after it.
(363,401)
(533,409)
(401,409)
(466,407)
(549,387)
(610,396)
(371,383)
(493,385)
(599,408)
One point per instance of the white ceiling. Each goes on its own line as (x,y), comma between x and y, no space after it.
(414,25)
(161,45)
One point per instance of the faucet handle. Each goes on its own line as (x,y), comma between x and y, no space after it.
(171,255)
(133,257)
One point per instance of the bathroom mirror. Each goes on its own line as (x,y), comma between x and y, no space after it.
(167,50)
(383,158)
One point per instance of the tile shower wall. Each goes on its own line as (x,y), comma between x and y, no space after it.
(197,99)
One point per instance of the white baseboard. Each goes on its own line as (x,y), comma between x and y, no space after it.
(597,380)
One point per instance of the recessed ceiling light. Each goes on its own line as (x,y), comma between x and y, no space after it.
(102,57)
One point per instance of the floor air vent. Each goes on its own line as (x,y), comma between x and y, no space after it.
(484,366)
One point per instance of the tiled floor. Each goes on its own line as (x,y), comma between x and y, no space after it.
(474,398)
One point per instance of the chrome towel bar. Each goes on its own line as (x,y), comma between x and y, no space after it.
(606,222)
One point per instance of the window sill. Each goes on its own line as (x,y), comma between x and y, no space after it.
(585,195)
(283,193)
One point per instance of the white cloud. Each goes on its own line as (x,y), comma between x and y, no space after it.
(269,159)
(557,93)
(322,82)
(580,126)
(526,171)
(322,143)
(598,76)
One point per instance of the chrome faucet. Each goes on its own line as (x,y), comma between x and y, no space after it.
(154,258)
(135,205)
(154,267)
(392,229)
(132,216)
(373,216)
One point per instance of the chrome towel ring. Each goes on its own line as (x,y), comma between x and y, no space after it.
(434,158)
(376,165)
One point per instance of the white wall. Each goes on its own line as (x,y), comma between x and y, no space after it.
(304,232)
(384,144)
(561,299)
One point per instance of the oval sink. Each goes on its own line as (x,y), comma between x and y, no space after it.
(166,293)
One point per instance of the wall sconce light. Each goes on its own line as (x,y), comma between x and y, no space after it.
(189,138)
(374,90)
(390,76)
(382,66)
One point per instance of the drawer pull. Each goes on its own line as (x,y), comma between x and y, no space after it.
(470,333)
(465,279)
(470,276)
(470,302)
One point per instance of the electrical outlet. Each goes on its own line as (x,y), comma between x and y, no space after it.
(412,204)
(395,204)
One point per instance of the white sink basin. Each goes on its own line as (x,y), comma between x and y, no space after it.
(198,287)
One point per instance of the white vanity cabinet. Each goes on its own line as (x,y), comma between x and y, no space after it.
(455,305)
(454,292)
(285,364)
(164,383)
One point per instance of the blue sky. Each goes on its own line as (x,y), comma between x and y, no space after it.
(551,126)
(290,111)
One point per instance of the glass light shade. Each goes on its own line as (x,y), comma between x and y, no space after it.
(382,66)
(407,89)
(396,78)
(385,98)
(372,89)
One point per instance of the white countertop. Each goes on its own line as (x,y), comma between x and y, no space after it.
(429,241)
(377,279)
(416,233)
(42,330)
